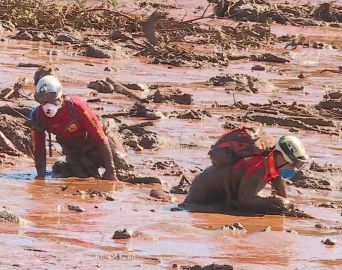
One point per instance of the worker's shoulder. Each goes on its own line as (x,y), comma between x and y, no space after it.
(77,101)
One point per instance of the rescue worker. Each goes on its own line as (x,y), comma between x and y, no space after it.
(237,185)
(77,130)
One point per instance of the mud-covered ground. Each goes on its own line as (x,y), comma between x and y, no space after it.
(187,72)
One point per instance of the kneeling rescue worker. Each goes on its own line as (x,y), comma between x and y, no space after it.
(77,129)
(237,185)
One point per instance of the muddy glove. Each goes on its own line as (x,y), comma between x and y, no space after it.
(40,168)
(107,161)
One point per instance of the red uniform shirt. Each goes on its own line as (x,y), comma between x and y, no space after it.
(81,126)
(256,163)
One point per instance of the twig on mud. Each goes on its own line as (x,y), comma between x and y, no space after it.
(19,113)
(200,18)
(119,88)
(108,10)
(206,9)
(332,70)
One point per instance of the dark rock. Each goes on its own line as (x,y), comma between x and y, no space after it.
(258,67)
(67,37)
(96,52)
(75,208)
(123,234)
(268,57)
(329,242)
(110,198)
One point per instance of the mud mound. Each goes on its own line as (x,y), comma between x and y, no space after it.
(15,136)
(171,95)
(318,180)
(284,13)
(241,82)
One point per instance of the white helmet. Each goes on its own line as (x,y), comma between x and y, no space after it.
(292,150)
(48,89)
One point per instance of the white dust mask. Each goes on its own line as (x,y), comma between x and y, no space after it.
(50,110)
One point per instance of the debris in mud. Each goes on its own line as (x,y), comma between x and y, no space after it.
(94,193)
(137,86)
(191,114)
(171,95)
(268,57)
(323,226)
(234,227)
(283,13)
(169,166)
(101,86)
(161,195)
(291,115)
(96,52)
(329,205)
(291,231)
(136,179)
(137,136)
(267,229)
(295,212)
(10,217)
(208,267)
(329,242)
(75,208)
(123,234)
(182,187)
(241,82)
(140,110)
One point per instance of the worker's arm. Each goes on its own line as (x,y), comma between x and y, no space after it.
(278,184)
(39,153)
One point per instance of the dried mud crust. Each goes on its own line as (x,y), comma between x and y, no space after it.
(283,13)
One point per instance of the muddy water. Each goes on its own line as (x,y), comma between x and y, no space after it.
(57,238)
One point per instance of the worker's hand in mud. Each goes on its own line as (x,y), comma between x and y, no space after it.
(282,203)
(108,175)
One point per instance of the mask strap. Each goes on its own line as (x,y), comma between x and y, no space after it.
(283,165)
